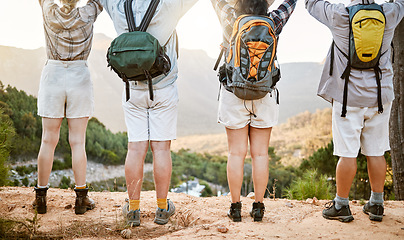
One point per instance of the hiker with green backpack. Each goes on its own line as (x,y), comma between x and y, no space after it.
(358,80)
(144,55)
(249,99)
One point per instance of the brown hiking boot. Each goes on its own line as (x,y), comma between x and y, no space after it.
(83,202)
(39,203)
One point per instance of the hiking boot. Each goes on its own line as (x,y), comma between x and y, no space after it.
(132,217)
(83,202)
(163,215)
(257,211)
(375,212)
(343,215)
(39,203)
(235,212)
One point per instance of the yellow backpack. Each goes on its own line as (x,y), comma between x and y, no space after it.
(366,29)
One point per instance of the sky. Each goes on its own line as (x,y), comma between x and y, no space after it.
(303,38)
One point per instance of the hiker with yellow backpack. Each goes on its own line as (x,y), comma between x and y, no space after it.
(358,80)
(249,100)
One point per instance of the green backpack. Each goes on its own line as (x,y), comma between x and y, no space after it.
(366,29)
(137,55)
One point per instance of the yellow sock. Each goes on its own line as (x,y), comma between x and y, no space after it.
(162,203)
(134,204)
(81,187)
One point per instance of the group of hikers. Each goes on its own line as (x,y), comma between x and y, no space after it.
(357,80)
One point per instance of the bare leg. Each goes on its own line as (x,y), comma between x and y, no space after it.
(77,141)
(259,143)
(134,168)
(162,167)
(377,172)
(238,142)
(345,173)
(50,138)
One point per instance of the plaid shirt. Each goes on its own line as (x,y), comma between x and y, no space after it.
(227,16)
(69,36)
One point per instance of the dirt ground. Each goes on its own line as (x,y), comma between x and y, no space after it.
(195,218)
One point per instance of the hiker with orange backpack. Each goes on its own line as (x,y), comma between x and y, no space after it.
(358,80)
(249,101)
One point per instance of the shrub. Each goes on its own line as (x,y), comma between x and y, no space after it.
(310,185)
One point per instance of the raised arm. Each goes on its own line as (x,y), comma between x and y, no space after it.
(282,14)
(93,7)
(322,10)
(226,14)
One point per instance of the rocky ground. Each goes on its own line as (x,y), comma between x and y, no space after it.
(195,218)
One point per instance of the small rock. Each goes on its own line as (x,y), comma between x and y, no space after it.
(309,200)
(11,207)
(222,229)
(23,206)
(315,201)
(288,204)
(354,201)
(117,205)
(68,206)
(126,233)
(251,195)
(205,227)
(402,228)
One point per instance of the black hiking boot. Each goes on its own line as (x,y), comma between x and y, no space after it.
(39,203)
(83,202)
(343,215)
(257,211)
(235,212)
(375,212)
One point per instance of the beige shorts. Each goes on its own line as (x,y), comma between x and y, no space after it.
(151,120)
(362,128)
(236,113)
(65,90)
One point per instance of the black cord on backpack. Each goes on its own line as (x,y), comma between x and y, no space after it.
(252,105)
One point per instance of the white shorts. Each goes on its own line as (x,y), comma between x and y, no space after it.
(362,128)
(65,90)
(151,120)
(236,113)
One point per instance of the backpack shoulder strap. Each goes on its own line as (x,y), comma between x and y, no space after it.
(148,15)
(129,15)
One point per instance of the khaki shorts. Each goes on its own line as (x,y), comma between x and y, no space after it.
(65,90)
(362,128)
(236,113)
(151,120)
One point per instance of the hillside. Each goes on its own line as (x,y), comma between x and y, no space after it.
(197,84)
(284,219)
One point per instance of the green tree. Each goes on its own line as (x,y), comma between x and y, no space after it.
(310,185)
(6,133)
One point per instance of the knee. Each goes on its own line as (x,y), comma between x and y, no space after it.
(50,138)
(259,155)
(160,147)
(238,152)
(138,148)
(76,141)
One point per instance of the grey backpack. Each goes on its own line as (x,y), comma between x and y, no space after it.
(249,70)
